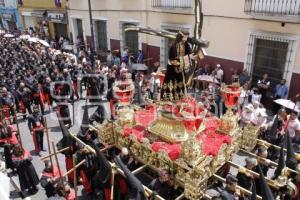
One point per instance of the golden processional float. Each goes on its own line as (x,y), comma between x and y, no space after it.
(180,135)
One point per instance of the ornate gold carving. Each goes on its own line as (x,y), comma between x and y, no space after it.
(170,130)
(191,151)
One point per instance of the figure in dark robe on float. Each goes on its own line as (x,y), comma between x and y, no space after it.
(174,86)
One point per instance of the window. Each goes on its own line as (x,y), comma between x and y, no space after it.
(271,53)
(131,40)
(270,58)
(2,3)
(101,35)
(79,28)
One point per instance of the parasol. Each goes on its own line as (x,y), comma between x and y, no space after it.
(288,104)
(24,37)
(8,35)
(139,67)
(69,47)
(43,42)
(207,78)
(33,39)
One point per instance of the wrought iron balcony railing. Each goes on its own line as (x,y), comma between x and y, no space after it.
(172,4)
(273,8)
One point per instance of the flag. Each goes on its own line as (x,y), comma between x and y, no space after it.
(266,192)
(136,189)
(273,130)
(57,3)
(291,161)
(104,172)
(281,164)
(67,140)
(85,121)
(253,190)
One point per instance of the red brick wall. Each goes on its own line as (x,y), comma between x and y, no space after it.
(88,41)
(294,86)
(152,52)
(115,44)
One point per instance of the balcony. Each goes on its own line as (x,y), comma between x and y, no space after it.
(277,10)
(172,4)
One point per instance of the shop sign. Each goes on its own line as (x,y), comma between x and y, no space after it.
(7,17)
(57,17)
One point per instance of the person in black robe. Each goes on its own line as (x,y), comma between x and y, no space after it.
(67,141)
(28,177)
(48,175)
(37,95)
(7,104)
(63,103)
(98,116)
(162,186)
(229,193)
(245,178)
(24,94)
(101,180)
(175,74)
(36,127)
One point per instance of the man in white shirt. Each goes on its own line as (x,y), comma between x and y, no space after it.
(293,126)
(154,85)
(220,73)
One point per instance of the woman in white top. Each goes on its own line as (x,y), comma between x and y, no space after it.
(256,96)
(244,96)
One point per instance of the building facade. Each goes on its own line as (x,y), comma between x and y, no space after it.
(9,15)
(48,15)
(257,35)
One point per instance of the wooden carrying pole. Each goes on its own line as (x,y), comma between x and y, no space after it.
(52,154)
(48,140)
(74,168)
(268,160)
(75,177)
(267,144)
(243,190)
(269,181)
(58,166)
(147,190)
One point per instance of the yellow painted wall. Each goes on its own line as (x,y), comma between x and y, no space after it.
(42,4)
(228,36)
(226,25)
